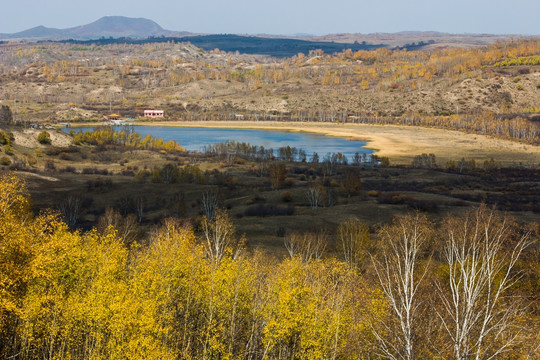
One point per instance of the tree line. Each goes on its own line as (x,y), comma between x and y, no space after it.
(460,288)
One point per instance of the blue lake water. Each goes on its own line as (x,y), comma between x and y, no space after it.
(194,139)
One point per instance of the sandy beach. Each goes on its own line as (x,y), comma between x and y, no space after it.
(399,143)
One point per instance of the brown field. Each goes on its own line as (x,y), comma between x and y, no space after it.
(436,191)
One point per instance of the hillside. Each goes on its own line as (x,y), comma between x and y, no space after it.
(479,90)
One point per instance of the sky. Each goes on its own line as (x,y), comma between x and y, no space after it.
(286,17)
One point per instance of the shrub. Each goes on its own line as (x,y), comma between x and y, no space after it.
(54,151)
(286,196)
(5,161)
(373,193)
(70,169)
(49,165)
(141,175)
(8,150)
(31,160)
(17,164)
(44,138)
(127,173)
(87,171)
(289,182)
(4,140)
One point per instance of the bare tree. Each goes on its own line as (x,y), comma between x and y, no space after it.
(139,207)
(314,196)
(219,236)
(179,203)
(354,239)
(397,274)
(309,246)
(210,201)
(70,208)
(330,162)
(126,227)
(477,317)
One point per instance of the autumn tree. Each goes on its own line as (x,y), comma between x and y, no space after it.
(277,173)
(400,274)
(219,236)
(350,181)
(16,254)
(481,250)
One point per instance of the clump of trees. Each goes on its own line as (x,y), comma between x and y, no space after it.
(457,289)
(6,116)
(6,138)
(44,138)
(105,135)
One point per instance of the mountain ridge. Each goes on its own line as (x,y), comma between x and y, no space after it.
(106,26)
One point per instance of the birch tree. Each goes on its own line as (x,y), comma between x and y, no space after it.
(219,236)
(480,252)
(400,278)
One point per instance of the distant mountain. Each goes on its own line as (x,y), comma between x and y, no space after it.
(119,26)
(39,32)
(108,26)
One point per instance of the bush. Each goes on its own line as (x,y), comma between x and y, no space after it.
(373,193)
(4,139)
(5,161)
(49,165)
(44,138)
(142,175)
(8,150)
(286,196)
(69,169)
(32,161)
(17,164)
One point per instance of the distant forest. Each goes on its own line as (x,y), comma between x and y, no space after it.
(243,44)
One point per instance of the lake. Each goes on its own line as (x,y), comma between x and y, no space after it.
(194,139)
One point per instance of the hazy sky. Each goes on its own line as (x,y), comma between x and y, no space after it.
(286,16)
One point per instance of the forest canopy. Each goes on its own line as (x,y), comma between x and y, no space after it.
(465,286)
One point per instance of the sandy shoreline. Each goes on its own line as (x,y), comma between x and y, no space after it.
(399,143)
